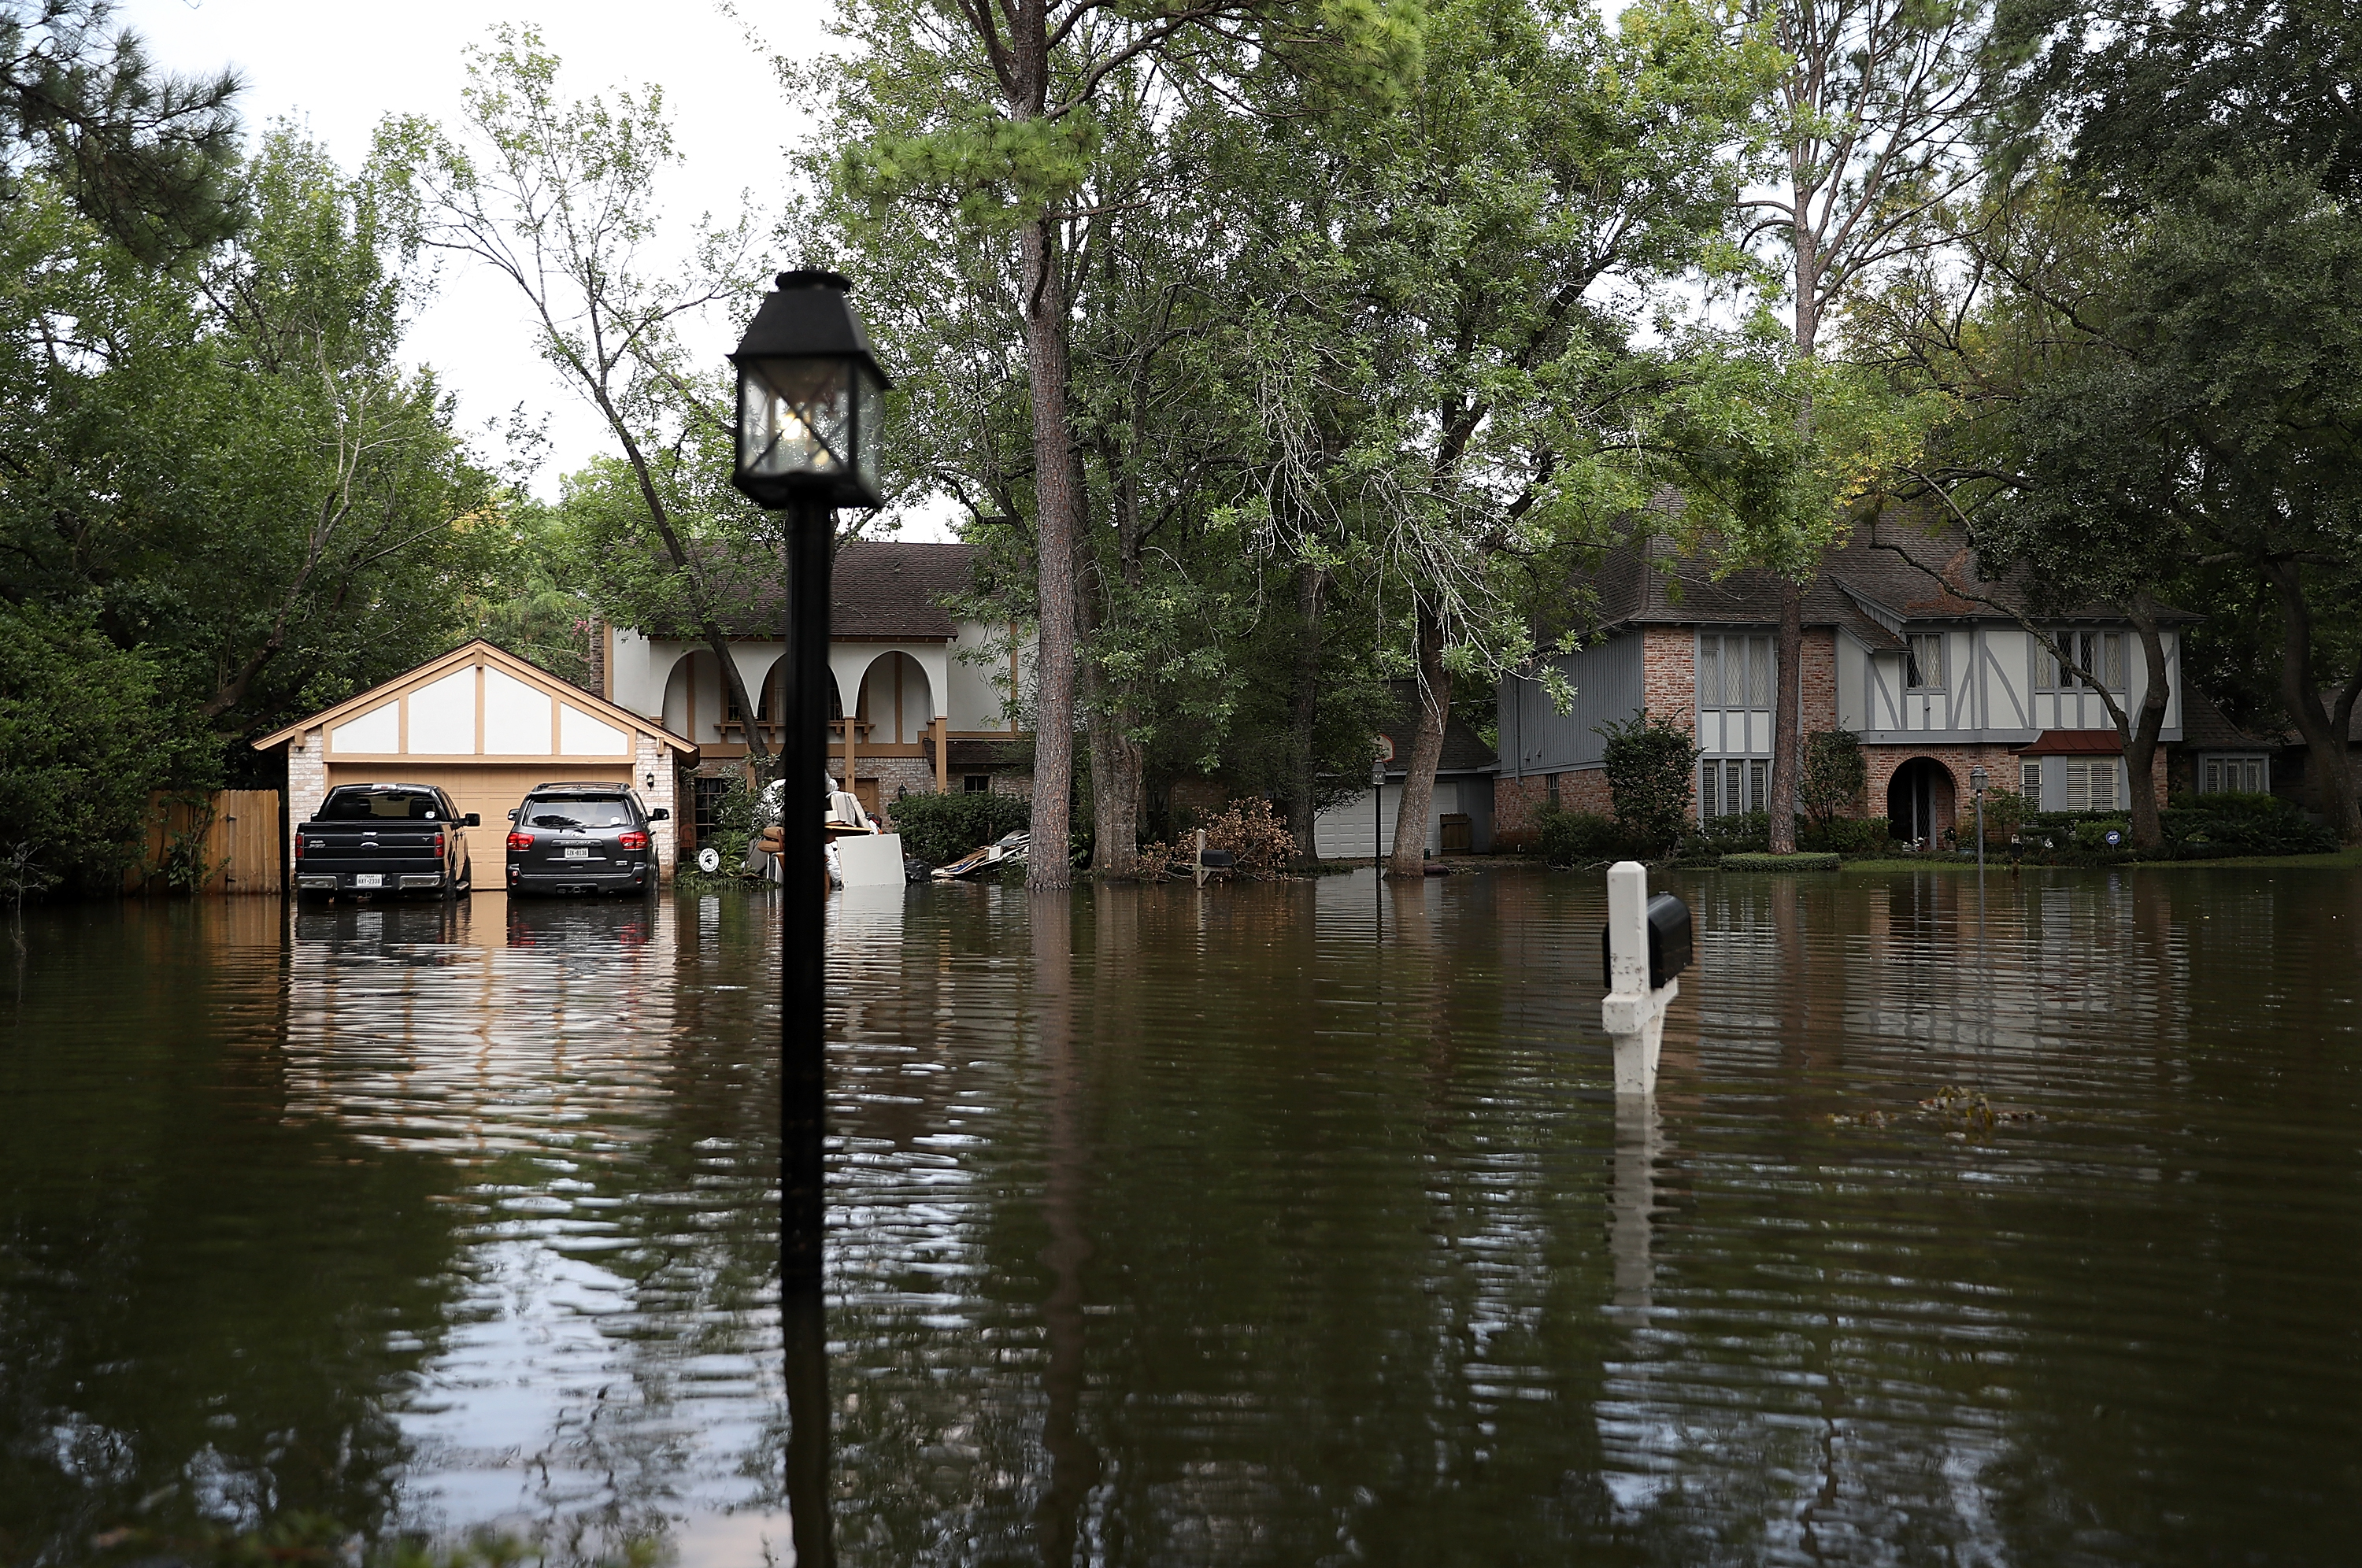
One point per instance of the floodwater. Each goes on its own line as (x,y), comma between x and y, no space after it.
(1284,1224)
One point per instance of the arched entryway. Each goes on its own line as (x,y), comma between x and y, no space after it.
(896,700)
(1919,801)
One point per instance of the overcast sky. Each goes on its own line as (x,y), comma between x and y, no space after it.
(339,68)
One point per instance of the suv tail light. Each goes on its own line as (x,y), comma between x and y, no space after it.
(520,841)
(631,838)
(438,844)
(299,847)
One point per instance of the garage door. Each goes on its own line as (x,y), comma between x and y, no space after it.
(488,790)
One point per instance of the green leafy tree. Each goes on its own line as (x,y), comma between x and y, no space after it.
(227,464)
(559,196)
(2164,394)
(86,736)
(986,119)
(1879,106)
(145,156)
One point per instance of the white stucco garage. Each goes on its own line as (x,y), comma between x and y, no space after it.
(485,727)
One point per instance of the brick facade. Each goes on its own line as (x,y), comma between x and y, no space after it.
(1669,674)
(1517,803)
(650,760)
(1818,678)
(1957,806)
(307,783)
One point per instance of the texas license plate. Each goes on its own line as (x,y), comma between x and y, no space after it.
(369,879)
(578,854)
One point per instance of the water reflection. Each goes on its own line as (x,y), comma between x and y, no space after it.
(1279,1224)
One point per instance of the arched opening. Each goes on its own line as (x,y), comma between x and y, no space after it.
(897,700)
(1919,801)
(679,681)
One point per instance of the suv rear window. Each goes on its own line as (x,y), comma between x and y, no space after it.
(563,813)
(347,804)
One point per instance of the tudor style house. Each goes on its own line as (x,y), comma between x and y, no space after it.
(929,692)
(1903,644)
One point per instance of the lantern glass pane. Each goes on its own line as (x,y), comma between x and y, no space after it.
(795,417)
(866,426)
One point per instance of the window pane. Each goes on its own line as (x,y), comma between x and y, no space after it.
(2029,784)
(1710,673)
(1759,687)
(2211,780)
(2255,771)
(2078,788)
(2116,669)
(1759,794)
(1708,777)
(1731,801)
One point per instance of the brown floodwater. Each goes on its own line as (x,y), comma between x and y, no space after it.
(1287,1224)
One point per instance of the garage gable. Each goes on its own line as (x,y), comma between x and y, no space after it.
(484,705)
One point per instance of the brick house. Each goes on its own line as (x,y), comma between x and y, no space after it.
(930,691)
(1897,647)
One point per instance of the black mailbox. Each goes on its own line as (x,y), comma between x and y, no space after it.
(1667,920)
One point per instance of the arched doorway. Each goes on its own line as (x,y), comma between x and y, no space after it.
(1919,801)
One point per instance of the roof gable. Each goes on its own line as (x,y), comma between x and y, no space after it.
(453,712)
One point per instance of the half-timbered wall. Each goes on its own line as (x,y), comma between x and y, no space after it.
(1992,687)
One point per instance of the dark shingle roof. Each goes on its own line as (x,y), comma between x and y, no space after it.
(1463,750)
(896,590)
(2204,727)
(1888,573)
(878,590)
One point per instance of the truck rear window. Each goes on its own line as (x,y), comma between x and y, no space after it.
(346,805)
(562,814)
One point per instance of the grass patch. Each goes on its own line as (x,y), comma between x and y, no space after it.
(2343,860)
(1805,861)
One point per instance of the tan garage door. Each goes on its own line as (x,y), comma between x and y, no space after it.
(491,791)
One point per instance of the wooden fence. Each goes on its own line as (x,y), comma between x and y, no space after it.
(227,842)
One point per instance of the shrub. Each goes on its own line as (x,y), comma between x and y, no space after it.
(1835,776)
(938,829)
(1648,764)
(2233,824)
(1579,838)
(1735,833)
(1848,836)
(1800,861)
(1258,840)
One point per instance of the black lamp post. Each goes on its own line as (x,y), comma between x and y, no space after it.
(809,394)
(1978,779)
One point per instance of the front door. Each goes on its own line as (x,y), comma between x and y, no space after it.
(866,791)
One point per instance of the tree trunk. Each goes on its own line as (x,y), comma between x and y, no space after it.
(1434,700)
(1122,787)
(2140,743)
(1311,592)
(1787,717)
(1049,864)
(2333,783)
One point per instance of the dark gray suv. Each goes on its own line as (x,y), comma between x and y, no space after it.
(582,838)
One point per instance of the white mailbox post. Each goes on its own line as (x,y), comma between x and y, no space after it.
(1632,1012)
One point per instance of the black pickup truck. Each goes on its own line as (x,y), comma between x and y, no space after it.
(384,838)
